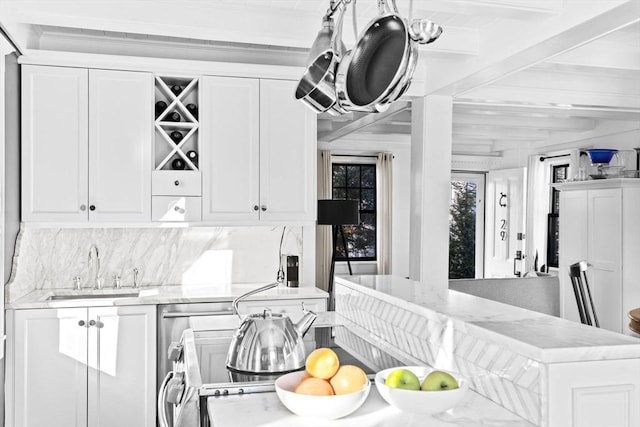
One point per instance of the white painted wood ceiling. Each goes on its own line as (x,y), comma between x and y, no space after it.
(523,73)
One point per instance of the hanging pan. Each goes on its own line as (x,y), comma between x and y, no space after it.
(379,66)
(317,86)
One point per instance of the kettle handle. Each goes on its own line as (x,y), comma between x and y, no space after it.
(255,291)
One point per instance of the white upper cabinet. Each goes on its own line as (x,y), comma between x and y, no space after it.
(54,143)
(230,148)
(120,132)
(258,152)
(86,144)
(287,154)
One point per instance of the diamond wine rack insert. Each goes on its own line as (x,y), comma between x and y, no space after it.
(176,123)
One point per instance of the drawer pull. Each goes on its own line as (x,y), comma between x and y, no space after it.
(179,209)
(176,183)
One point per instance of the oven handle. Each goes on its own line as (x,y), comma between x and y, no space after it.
(162,401)
(178,314)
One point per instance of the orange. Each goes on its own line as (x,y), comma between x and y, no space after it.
(315,387)
(322,363)
(348,379)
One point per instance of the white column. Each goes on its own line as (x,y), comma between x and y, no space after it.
(431,127)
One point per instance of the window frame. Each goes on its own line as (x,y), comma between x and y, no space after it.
(364,160)
(553,215)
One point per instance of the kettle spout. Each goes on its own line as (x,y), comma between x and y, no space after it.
(307,320)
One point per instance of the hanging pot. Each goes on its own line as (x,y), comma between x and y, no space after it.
(317,85)
(380,66)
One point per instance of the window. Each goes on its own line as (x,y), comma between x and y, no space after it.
(558,174)
(357,182)
(466,226)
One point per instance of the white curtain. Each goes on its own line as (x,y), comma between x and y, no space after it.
(384,198)
(323,232)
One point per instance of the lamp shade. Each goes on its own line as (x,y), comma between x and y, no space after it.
(338,212)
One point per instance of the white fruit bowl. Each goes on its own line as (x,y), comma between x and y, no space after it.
(320,407)
(419,401)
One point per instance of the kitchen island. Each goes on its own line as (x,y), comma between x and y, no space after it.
(549,371)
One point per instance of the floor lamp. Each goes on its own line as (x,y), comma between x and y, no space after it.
(337,213)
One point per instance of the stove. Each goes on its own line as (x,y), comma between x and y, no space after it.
(200,371)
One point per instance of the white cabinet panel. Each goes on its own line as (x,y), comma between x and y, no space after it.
(86,152)
(593,216)
(49,368)
(54,143)
(120,132)
(122,370)
(82,367)
(287,154)
(259,152)
(229,113)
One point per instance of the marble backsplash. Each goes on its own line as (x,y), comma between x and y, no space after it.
(47,258)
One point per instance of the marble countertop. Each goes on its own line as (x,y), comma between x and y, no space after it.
(160,295)
(265,409)
(544,338)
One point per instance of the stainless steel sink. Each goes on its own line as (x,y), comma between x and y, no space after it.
(93,296)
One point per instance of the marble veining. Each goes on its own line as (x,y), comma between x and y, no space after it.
(49,258)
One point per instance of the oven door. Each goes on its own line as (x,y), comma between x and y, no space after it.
(179,392)
(174,319)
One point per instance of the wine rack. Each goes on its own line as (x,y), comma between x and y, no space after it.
(176,124)
(176,182)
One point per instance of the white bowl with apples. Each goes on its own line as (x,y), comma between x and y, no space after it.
(421,390)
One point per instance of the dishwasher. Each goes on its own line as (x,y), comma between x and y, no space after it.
(174,319)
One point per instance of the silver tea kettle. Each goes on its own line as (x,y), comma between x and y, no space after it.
(268,342)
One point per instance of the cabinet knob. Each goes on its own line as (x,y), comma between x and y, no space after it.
(92,323)
(176,183)
(256,207)
(81,323)
(83,208)
(92,207)
(263,208)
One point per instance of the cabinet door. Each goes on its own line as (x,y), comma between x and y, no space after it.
(50,368)
(54,143)
(229,113)
(573,246)
(122,366)
(287,154)
(604,231)
(120,135)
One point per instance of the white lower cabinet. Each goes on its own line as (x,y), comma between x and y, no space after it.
(82,367)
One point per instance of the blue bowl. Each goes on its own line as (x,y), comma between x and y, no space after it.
(600,155)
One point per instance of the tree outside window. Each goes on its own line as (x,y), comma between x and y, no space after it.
(357,182)
(462,230)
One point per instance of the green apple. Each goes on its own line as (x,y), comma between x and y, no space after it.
(439,380)
(402,378)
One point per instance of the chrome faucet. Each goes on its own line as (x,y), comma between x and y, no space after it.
(95,266)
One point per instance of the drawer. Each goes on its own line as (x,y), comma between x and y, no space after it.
(175,208)
(176,183)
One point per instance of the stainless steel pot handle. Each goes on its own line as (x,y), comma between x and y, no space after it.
(162,400)
(255,291)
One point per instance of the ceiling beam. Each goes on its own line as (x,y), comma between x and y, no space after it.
(579,23)
(500,121)
(512,9)
(363,121)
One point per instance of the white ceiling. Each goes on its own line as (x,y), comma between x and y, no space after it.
(538,74)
